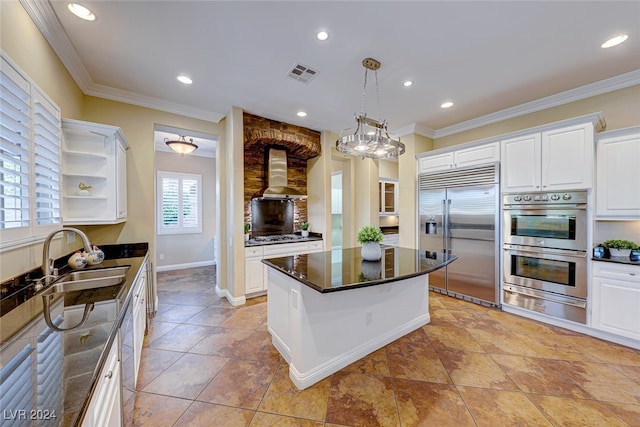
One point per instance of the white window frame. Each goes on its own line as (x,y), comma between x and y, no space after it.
(36,147)
(180,227)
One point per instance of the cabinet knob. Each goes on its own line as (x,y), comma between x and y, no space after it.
(109,374)
(632,274)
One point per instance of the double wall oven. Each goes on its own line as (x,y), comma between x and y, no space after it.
(545,253)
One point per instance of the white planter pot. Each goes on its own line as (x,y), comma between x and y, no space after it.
(620,252)
(305,233)
(371,251)
(246,237)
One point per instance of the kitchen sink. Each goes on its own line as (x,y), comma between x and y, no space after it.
(87,279)
(94,274)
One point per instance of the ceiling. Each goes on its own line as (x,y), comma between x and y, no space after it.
(494,60)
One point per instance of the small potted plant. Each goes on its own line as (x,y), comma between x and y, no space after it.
(370,236)
(619,248)
(247,228)
(304,227)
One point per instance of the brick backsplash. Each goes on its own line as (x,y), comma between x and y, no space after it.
(301,144)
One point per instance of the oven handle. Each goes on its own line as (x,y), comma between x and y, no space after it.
(572,301)
(574,206)
(541,252)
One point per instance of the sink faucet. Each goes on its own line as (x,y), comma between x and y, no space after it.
(47,262)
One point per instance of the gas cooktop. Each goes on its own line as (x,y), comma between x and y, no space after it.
(278,238)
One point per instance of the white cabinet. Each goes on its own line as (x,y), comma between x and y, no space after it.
(616,299)
(255,272)
(553,160)
(253,269)
(94,155)
(391,239)
(464,157)
(139,317)
(105,407)
(388,197)
(618,160)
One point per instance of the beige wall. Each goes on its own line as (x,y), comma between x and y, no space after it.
(388,168)
(186,249)
(620,109)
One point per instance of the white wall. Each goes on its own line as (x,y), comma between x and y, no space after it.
(190,250)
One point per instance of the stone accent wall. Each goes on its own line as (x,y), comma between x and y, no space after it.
(301,144)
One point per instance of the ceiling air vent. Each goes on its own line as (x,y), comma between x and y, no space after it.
(302,73)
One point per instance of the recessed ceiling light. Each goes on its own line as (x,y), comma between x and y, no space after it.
(446,104)
(322,35)
(301,114)
(184,79)
(614,41)
(407,83)
(81,12)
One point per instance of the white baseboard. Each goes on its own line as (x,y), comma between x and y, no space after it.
(185,265)
(233,301)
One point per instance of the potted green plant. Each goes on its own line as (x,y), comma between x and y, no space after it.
(619,247)
(247,228)
(370,237)
(304,226)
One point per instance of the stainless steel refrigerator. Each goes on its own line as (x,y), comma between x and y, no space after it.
(458,213)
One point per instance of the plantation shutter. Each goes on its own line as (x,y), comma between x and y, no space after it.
(15,125)
(180,203)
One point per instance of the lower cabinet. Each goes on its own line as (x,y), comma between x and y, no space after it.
(255,272)
(616,298)
(139,319)
(105,408)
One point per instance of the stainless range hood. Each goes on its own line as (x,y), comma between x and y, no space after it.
(277,178)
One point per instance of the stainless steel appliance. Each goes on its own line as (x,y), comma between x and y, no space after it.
(545,253)
(458,213)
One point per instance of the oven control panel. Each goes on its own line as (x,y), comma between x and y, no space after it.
(573,197)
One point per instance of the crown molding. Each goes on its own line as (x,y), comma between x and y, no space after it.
(46,20)
(415,128)
(598,88)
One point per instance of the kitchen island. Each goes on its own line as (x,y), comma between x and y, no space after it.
(327,310)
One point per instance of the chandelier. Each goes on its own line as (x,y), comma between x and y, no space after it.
(181,145)
(370,138)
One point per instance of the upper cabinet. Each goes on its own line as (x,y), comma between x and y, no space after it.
(94,173)
(617,162)
(553,160)
(476,155)
(388,197)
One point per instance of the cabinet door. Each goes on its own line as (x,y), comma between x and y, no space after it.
(435,163)
(254,275)
(616,194)
(482,154)
(387,197)
(520,163)
(567,158)
(615,307)
(121,188)
(139,321)
(105,407)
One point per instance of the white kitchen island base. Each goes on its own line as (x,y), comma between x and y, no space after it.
(320,333)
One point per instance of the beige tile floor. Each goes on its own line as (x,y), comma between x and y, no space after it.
(206,363)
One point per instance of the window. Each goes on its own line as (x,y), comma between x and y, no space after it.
(30,135)
(179,203)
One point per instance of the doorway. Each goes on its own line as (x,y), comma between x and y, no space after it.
(336,210)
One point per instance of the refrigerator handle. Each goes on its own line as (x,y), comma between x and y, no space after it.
(445,225)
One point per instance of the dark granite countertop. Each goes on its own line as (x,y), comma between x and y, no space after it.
(344,269)
(80,353)
(618,260)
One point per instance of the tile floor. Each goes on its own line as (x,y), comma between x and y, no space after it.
(206,363)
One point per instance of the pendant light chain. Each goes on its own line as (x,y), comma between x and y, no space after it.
(378,95)
(364,93)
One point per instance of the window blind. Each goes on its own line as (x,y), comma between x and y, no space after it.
(30,159)
(180,203)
